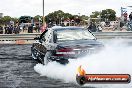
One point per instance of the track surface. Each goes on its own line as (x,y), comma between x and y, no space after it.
(17,70)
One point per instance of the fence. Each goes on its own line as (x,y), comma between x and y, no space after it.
(29,38)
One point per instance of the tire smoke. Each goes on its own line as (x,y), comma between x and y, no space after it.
(115,58)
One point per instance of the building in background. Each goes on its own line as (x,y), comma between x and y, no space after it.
(1,15)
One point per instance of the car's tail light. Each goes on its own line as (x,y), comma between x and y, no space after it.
(65,52)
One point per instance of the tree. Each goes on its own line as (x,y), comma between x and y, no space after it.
(54,16)
(6,19)
(108,14)
(15,20)
(84,17)
(95,14)
(57,17)
(37,18)
(25,19)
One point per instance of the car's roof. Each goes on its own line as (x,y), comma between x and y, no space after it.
(66,28)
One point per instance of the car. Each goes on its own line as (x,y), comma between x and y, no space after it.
(63,43)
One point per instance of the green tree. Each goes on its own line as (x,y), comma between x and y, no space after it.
(84,17)
(15,19)
(108,14)
(37,18)
(6,19)
(57,16)
(95,14)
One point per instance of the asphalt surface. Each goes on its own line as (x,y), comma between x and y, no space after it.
(17,70)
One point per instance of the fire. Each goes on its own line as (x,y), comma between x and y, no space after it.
(81,71)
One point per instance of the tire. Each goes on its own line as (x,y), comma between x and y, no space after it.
(35,58)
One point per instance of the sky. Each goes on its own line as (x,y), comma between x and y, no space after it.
(17,8)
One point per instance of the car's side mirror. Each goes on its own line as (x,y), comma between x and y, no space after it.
(36,38)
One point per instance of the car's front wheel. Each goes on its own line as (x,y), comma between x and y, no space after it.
(33,53)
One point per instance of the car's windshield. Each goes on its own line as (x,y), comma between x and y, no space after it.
(74,34)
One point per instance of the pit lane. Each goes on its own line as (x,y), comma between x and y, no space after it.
(17,70)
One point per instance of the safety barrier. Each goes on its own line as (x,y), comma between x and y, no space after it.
(18,38)
(109,35)
(29,37)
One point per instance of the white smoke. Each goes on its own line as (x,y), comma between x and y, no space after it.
(116,58)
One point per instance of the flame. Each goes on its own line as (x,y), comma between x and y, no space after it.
(81,71)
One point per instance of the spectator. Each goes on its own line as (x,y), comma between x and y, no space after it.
(10,30)
(121,24)
(1,29)
(30,28)
(37,28)
(92,27)
(125,17)
(24,28)
(99,28)
(43,27)
(6,29)
(16,29)
(130,16)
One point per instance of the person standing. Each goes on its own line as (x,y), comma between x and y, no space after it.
(38,28)
(10,29)
(43,27)
(16,29)
(130,16)
(92,27)
(30,28)
(125,17)
(1,29)
(99,27)
(6,29)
